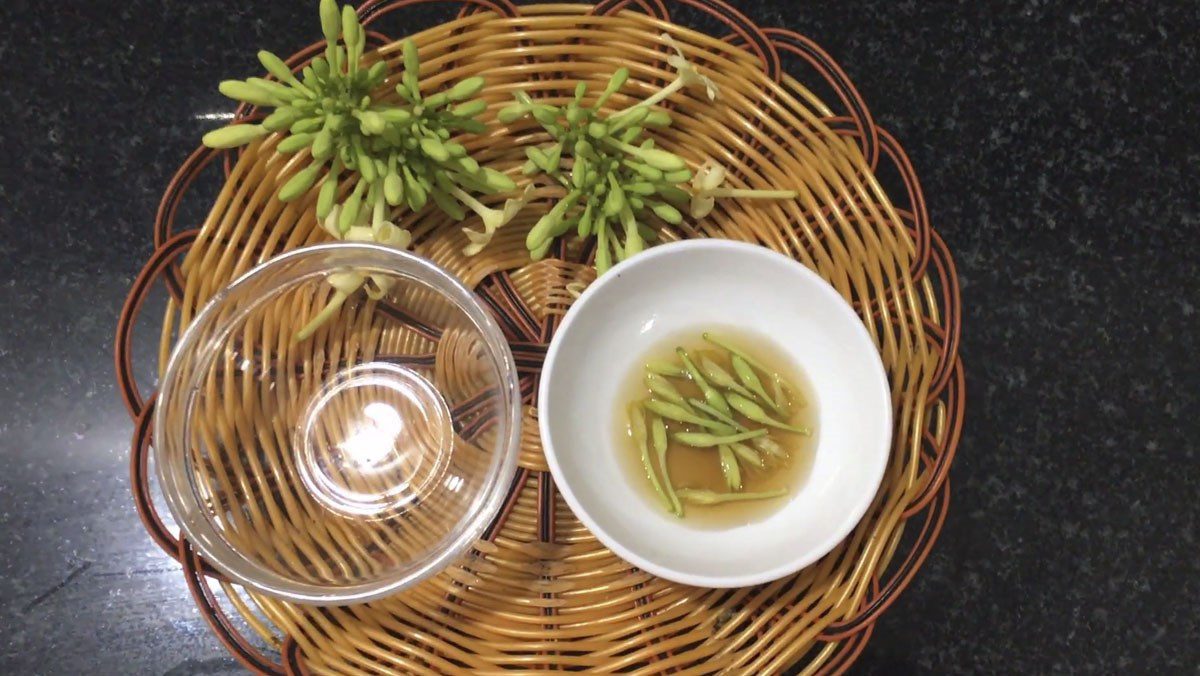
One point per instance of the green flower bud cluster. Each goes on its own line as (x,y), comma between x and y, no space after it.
(613,177)
(398,152)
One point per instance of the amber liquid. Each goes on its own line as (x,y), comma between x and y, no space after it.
(691,467)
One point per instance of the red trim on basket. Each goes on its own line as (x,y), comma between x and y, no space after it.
(122,346)
(293,663)
(955,407)
(829,69)
(139,480)
(371,10)
(935,518)
(746,29)
(168,207)
(654,8)
(947,278)
(237,644)
(139,456)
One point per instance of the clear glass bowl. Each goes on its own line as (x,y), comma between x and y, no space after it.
(353,463)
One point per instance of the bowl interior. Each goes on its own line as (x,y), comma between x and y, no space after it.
(690,287)
(346,465)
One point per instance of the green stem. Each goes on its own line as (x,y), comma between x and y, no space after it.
(331,55)
(377,209)
(472,203)
(629,148)
(718,415)
(703,440)
(663,93)
(706,497)
(323,316)
(658,437)
(637,429)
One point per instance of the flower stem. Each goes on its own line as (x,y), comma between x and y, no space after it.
(323,316)
(663,93)
(377,210)
(472,203)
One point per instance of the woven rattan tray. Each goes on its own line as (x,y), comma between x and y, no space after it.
(538,591)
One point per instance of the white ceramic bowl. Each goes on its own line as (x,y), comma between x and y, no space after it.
(688,286)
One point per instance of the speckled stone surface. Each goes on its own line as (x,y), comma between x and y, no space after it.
(1058,146)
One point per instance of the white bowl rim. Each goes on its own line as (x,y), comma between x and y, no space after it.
(875,473)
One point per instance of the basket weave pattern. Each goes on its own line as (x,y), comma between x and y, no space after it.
(538,591)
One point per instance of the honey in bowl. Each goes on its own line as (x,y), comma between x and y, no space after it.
(737,420)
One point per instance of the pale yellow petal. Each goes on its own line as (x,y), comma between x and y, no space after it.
(360,233)
(666,37)
(399,238)
(330,224)
(346,282)
(378,286)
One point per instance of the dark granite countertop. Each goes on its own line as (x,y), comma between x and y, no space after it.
(1059,151)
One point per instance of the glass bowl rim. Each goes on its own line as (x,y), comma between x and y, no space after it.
(175,480)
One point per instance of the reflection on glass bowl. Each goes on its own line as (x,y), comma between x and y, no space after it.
(350,464)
